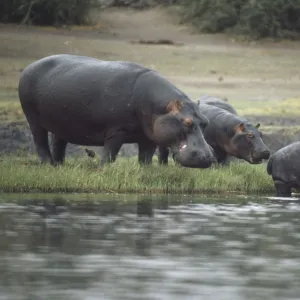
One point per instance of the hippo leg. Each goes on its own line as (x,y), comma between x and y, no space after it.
(40,138)
(146,151)
(111,149)
(282,189)
(39,134)
(221,156)
(58,149)
(163,154)
(225,161)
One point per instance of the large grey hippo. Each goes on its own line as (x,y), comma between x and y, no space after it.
(86,101)
(283,166)
(229,135)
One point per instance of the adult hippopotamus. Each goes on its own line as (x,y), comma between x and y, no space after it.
(283,166)
(229,135)
(216,102)
(86,101)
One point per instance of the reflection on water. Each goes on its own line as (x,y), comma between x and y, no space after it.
(150,248)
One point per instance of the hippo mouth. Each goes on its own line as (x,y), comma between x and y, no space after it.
(182,146)
(179,148)
(254,160)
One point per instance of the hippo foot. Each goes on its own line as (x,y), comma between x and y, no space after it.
(47,162)
(282,189)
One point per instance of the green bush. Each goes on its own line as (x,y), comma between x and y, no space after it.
(257,18)
(46,12)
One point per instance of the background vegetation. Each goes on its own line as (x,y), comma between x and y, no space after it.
(254,18)
(47,12)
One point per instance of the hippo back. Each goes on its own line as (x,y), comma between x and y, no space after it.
(283,164)
(217,102)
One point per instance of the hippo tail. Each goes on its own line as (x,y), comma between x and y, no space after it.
(269,165)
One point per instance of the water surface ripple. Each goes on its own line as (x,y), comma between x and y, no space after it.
(150,249)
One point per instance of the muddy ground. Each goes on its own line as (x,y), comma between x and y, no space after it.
(16,138)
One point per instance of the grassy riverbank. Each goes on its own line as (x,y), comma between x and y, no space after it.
(26,174)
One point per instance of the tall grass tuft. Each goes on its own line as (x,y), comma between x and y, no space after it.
(26,174)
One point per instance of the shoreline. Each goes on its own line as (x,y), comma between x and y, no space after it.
(125,176)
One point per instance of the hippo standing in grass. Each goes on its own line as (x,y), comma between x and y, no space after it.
(86,101)
(229,135)
(283,166)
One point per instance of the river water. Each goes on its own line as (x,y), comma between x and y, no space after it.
(143,247)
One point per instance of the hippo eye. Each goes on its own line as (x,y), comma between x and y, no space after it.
(188,122)
(250,135)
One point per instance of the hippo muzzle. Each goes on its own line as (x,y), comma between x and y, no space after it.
(193,155)
(256,157)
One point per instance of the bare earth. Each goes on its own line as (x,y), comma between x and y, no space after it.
(261,79)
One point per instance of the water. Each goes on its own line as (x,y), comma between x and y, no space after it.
(141,247)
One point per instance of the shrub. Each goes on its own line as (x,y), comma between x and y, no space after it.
(46,12)
(257,18)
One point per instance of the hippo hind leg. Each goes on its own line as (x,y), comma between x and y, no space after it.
(40,136)
(282,189)
(146,151)
(58,149)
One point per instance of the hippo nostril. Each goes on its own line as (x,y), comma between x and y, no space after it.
(194,154)
(266,154)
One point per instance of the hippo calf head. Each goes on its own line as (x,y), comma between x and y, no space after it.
(246,143)
(181,130)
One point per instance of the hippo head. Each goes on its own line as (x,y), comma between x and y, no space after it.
(246,143)
(180,128)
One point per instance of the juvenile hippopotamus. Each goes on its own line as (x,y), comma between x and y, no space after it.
(86,101)
(229,135)
(283,166)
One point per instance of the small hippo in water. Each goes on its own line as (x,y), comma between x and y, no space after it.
(86,101)
(283,166)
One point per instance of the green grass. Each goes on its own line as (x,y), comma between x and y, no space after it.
(286,107)
(11,112)
(26,174)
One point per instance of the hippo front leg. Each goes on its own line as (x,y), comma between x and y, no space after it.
(163,155)
(112,145)
(146,151)
(282,189)
(221,156)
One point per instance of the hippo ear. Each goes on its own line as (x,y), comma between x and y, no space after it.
(174,106)
(198,102)
(240,128)
(257,125)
